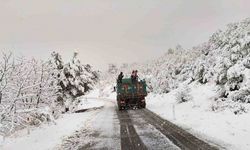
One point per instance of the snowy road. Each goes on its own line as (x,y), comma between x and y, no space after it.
(104,127)
(130,129)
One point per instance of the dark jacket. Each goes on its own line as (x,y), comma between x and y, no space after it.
(120,78)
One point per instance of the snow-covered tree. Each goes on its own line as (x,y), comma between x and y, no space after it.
(112,69)
(76,79)
(33,91)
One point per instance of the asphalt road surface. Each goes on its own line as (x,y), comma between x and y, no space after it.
(138,129)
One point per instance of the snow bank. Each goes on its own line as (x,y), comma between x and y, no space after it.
(223,128)
(90,103)
(47,136)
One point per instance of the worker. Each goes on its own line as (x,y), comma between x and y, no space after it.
(119,80)
(136,75)
(133,75)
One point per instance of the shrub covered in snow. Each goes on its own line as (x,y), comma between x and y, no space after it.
(227,56)
(183,94)
(235,107)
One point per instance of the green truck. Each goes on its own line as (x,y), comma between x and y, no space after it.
(131,94)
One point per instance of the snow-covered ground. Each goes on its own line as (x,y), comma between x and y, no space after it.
(224,128)
(102,132)
(89,103)
(49,136)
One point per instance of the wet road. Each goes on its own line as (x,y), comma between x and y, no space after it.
(131,130)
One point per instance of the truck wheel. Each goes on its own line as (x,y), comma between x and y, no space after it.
(143,105)
(120,108)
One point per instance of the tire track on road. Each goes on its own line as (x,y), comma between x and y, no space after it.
(177,135)
(130,140)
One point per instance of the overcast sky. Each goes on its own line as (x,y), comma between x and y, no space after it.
(105,31)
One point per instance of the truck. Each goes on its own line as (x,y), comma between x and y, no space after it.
(131,94)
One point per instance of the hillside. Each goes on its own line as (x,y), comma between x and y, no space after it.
(204,89)
(223,60)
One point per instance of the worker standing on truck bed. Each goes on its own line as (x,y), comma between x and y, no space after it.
(134,76)
(119,80)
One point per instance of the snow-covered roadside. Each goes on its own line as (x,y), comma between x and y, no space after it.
(90,103)
(48,136)
(108,92)
(224,127)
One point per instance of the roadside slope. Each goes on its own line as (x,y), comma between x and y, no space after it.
(49,136)
(196,116)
